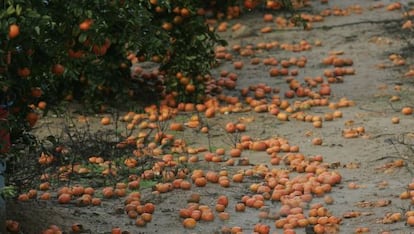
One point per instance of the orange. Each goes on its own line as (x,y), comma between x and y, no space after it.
(96,201)
(75,54)
(105,120)
(140,222)
(177,19)
(248,4)
(116,230)
(238,178)
(184,80)
(200,182)
(64,198)
(14,31)
(23,72)
(107,43)
(410,220)
(85,25)
(156,58)
(99,50)
(36,92)
(184,12)
(190,88)
(268,17)
(12,226)
(32,118)
(58,69)
(159,9)
(147,217)
(167,26)
(23,197)
(189,223)
(45,196)
(42,105)
(407,110)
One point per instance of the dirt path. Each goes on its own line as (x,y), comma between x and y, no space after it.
(368,38)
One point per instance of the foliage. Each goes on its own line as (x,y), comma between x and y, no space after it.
(83,50)
(8,192)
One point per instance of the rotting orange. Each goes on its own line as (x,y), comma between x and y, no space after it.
(235,152)
(224,215)
(185,185)
(410,221)
(45,196)
(407,110)
(268,17)
(23,197)
(96,201)
(189,223)
(140,222)
(42,105)
(105,120)
(147,217)
(32,118)
(238,178)
(64,198)
(223,200)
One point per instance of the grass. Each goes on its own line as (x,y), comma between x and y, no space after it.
(145,184)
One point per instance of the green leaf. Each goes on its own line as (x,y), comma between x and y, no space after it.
(10,10)
(37,30)
(83,37)
(46,17)
(18,10)
(32,14)
(8,192)
(201,37)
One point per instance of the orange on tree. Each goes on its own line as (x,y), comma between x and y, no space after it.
(190,88)
(176,10)
(81,35)
(14,31)
(156,58)
(99,49)
(85,25)
(159,9)
(179,75)
(24,72)
(75,54)
(36,92)
(184,80)
(167,26)
(177,19)
(107,43)
(185,12)
(58,69)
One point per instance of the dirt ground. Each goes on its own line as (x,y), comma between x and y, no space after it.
(368,37)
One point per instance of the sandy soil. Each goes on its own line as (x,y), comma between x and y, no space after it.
(368,38)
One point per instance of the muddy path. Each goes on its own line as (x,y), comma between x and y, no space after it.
(376,164)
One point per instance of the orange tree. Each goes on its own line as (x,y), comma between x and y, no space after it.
(56,50)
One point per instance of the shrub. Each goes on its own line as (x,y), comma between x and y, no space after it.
(56,50)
